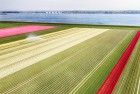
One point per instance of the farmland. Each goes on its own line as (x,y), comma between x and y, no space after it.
(21,30)
(66,59)
(130,79)
(114,75)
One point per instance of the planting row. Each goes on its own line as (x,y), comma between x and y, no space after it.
(129,82)
(22,58)
(6,32)
(114,75)
(87,57)
(23,31)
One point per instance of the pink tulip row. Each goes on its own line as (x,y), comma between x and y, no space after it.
(6,32)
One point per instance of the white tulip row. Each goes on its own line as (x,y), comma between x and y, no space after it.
(12,62)
(25,41)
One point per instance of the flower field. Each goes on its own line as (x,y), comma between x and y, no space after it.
(68,59)
(22,29)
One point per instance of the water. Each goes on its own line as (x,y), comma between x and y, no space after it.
(103,19)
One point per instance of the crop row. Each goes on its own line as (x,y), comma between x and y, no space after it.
(110,82)
(25,43)
(129,82)
(66,71)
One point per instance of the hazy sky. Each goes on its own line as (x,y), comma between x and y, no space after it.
(69,4)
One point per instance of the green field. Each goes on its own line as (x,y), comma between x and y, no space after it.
(69,59)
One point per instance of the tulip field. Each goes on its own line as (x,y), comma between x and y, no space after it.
(41,58)
(21,30)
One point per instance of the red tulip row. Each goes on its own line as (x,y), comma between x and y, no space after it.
(110,82)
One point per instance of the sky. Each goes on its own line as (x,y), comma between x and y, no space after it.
(29,5)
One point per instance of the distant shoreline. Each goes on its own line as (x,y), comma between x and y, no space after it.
(70,24)
(78,12)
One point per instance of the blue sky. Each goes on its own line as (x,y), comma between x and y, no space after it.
(69,4)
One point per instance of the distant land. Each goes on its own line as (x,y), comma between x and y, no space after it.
(78,12)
